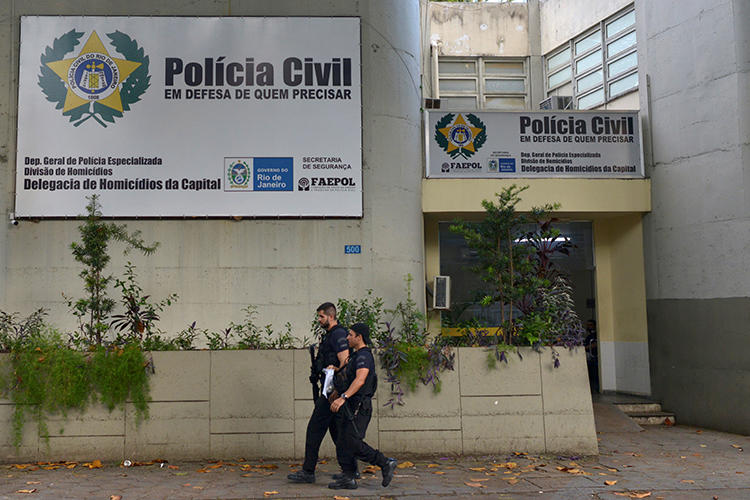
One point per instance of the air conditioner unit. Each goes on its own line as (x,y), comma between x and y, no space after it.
(441,298)
(557,102)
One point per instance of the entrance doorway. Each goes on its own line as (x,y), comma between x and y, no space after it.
(456,260)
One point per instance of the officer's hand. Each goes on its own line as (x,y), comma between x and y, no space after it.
(313,379)
(337,404)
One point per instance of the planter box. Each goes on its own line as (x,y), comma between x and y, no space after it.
(253,404)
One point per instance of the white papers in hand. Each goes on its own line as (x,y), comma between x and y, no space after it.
(328,382)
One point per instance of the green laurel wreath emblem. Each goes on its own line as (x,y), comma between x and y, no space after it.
(131,89)
(481,137)
(443,142)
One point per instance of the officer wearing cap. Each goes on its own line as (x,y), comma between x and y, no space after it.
(333,352)
(353,409)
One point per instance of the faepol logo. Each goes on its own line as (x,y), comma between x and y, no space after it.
(333,181)
(93,84)
(458,138)
(326,184)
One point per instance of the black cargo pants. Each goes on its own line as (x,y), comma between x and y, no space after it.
(321,421)
(352,425)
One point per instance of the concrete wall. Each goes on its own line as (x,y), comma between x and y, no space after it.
(223,404)
(482,29)
(562,20)
(696,56)
(287,267)
(476,29)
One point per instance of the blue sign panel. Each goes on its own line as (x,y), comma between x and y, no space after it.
(273,174)
(352,248)
(507,165)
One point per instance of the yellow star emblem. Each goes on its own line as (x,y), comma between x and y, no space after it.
(461,125)
(91,60)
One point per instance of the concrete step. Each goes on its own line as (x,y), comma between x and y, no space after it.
(653,418)
(629,408)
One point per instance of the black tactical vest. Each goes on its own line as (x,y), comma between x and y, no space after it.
(326,355)
(371,382)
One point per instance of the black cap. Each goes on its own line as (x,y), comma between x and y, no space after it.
(363,330)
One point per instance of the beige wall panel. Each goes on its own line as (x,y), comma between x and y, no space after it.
(620,276)
(423,408)
(83,448)
(498,381)
(568,412)
(97,420)
(251,446)
(463,29)
(502,424)
(179,429)
(29,441)
(181,376)
(428,423)
(628,274)
(565,388)
(245,389)
(417,442)
(580,196)
(301,381)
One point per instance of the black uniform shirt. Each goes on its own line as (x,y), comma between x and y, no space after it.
(362,358)
(333,342)
(336,341)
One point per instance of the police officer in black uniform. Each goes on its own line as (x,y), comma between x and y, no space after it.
(353,409)
(333,351)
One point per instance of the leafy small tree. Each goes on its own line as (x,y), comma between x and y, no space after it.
(138,319)
(93,311)
(506,261)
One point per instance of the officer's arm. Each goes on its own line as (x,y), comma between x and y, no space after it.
(359,381)
(356,385)
(343,356)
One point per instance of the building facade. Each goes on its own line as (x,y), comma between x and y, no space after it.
(670,281)
(660,263)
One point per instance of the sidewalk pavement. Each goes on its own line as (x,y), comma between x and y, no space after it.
(660,462)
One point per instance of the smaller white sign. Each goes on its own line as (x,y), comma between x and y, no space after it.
(586,144)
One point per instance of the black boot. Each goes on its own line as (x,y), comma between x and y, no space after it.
(345,483)
(301,477)
(342,475)
(388,469)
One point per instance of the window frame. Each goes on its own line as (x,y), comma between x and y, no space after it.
(480,77)
(602,65)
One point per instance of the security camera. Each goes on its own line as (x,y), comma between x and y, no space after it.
(14,222)
(12,219)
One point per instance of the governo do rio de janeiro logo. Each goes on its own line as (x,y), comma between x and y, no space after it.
(93,83)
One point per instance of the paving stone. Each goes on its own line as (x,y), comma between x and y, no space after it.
(651,460)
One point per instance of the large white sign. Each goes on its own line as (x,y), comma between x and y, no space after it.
(189,116)
(588,144)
